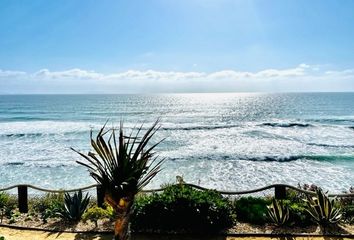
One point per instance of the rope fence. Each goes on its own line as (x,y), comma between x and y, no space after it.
(279,192)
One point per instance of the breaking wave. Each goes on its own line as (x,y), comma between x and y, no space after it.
(286,125)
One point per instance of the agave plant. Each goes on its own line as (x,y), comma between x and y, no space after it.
(75,205)
(278,212)
(322,209)
(122,165)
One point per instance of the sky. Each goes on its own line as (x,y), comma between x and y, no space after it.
(147,46)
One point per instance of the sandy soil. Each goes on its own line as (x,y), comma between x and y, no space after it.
(14,234)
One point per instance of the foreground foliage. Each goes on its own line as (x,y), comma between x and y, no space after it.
(7,204)
(122,165)
(48,206)
(96,213)
(252,210)
(322,209)
(278,212)
(182,208)
(75,206)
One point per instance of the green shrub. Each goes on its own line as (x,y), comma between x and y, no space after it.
(252,210)
(182,208)
(49,205)
(297,197)
(95,213)
(7,204)
(2,238)
(345,201)
(348,213)
(298,214)
(15,214)
(8,200)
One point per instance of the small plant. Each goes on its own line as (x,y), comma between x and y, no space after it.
(348,214)
(49,205)
(14,216)
(252,210)
(278,212)
(95,213)
(298,196)
(75,205)
(322,209)
(345,201)
(308,187)
(298,213)
(2,213)
(2,238)
(7,204)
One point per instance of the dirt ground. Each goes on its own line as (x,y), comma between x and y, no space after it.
(15,234)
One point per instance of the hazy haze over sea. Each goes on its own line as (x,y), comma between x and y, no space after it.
(226,141)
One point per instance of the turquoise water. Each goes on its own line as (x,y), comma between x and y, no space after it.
(223,141)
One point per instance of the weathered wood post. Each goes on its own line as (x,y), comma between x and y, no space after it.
(22,198)
(100,196)
(279,192)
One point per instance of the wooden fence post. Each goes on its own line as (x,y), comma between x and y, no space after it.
(100,195)
(279,192)
(22,198)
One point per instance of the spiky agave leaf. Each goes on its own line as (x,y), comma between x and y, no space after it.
(322,209)
(278,212)
(123,164)
(75,205)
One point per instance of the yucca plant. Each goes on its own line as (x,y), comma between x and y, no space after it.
(278,212)
(122,165)
(322,209)
(75,205)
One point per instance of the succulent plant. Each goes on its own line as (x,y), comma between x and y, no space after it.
(75,205)
(278,212)
(322,209)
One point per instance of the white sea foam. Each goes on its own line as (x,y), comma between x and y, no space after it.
(230,142)
(43,127)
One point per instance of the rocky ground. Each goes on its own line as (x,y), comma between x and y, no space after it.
(106,225)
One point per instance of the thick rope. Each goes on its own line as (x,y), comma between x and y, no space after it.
(191,185)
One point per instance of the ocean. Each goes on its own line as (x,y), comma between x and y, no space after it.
(225,141)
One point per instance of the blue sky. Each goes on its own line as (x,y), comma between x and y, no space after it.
(176,46)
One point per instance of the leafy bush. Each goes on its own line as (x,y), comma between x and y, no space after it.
(252,210)
(296,196)
(7,204)
(348,213)
(49,205)
(298,214)
(346,202)
(2,238)
(95,213)
(182,208)
(75,205)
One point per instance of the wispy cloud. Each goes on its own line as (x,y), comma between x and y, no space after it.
(303,77)
(7,73)
(72,73)
(168,75)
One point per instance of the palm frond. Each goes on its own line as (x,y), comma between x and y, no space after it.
(123,164)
